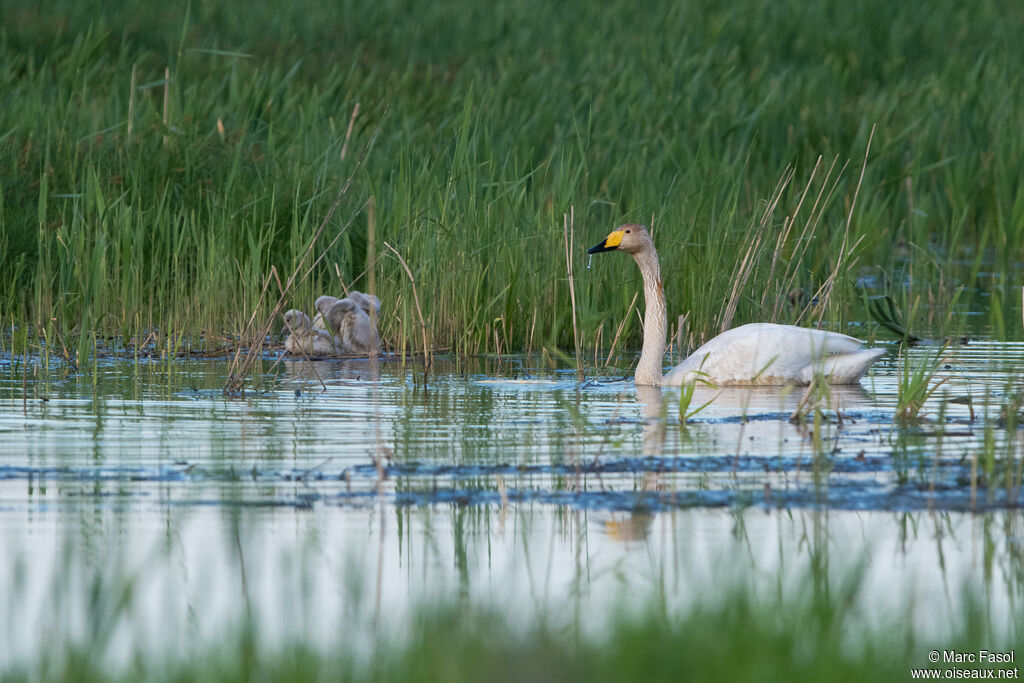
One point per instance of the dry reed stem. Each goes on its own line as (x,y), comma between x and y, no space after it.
(341,280)
(533,328)
(240,366)
(618,331)
(371,254)
(756,243)
(567,233)
(1018,479)
(497,348)
(502,492)
(305,356)
(167,98)
(739,281)
(348,133)
(755,235)
(416,300)
(803,241)
(825,291)
(63,346)
(131,104)
(784,237)
(337,271)
(330,245)
(817,220)
(263,293)
(24,386)
(680,333)
(796,416)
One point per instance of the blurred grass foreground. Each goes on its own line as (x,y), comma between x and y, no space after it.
(813,634)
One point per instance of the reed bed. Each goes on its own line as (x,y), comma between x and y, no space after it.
(157,163)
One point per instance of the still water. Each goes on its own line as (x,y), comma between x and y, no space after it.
(332,500)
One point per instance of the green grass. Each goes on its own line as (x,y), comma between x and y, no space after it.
(916,383)
(493,121)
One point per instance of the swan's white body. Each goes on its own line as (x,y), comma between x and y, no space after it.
(765,353)
(759,353)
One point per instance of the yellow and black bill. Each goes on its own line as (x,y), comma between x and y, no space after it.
(610,243)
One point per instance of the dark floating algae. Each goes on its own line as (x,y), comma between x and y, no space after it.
(849,495)
(578,486)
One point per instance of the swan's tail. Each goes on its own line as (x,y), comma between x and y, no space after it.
(843,368)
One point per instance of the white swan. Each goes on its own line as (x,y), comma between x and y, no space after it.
(303,339)
(758,353)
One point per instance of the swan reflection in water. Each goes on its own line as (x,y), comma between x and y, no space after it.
(750,420)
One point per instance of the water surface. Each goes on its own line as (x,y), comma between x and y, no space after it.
(328,511)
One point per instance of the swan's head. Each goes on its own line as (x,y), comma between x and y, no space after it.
(324,303)
(339,313)
(296,321)
(630,238)
(368,302)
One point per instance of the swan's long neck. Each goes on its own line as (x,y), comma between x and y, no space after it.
(648,370)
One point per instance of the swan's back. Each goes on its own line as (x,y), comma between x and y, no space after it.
(356,332)
(766,353)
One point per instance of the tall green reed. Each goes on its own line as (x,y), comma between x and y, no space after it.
(684,117)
